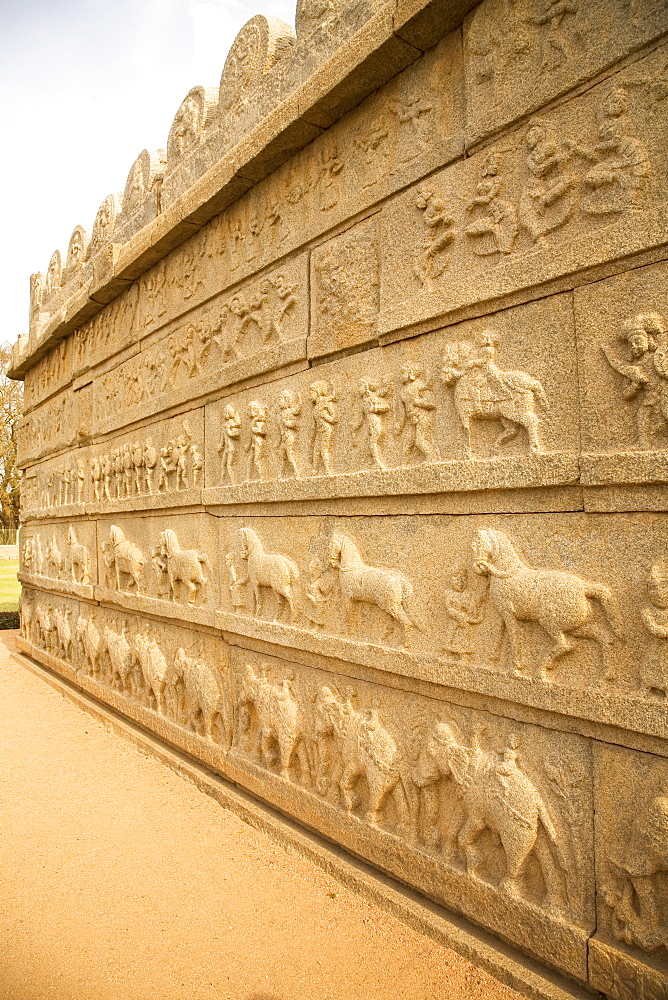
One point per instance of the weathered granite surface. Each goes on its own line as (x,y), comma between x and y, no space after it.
(346,454)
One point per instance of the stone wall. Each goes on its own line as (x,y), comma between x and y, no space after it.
(345,454)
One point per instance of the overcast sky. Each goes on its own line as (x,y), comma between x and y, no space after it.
(86,85)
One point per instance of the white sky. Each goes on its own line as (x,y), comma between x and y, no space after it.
(86,85)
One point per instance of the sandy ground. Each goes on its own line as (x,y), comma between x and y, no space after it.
(118,879)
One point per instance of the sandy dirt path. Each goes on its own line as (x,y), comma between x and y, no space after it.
(119,880)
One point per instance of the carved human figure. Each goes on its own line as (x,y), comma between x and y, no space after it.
(236,587)
(95,475)
(617,180)
(229,439)
(287,298)
(80,480)
(331,167)
(197,463)
(463,610)
(117,463)
(138,465)
(318,592)
(374,150)
(639,911)
(325,419)
(646,375)
(494,229)
(128,469)
(167,466)
(552,16)
(258,314)
(561,603)
(416,406)
(483,391)
(498,796)
(289,411)
(547,199)
(439,235)
(150,456)
(414,113)
(65,482)
(182,447)
(373,407)
(257,414)
(654,672)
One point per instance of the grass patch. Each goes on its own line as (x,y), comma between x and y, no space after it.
(10,588)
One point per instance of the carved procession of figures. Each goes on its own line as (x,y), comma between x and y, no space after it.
(140,468)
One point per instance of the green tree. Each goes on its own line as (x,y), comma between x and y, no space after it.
(11,408)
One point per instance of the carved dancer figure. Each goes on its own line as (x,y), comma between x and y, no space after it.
(415,114)
(280,721)
(259,315)
(258,439)
(269,570)
(183,566)
(286,296)
(150,462)
(639,913)
(483,391)
(654,673)
(498,796)
(617,181)
(646,376)
(463,610)
(439,235)
(416,406)
(236,587)
(325,419)
(373,406)
(229,437)
(290,408)
(388,589)
(95,475)
(79,560)
(331,166)
(495,227)
(551,15)
(547,200)
(561,603)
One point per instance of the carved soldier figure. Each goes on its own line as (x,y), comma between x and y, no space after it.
(439,234)
(127,469)
(499,219)
(373,407)
(655,668)
(167,466)
(290,408)
(150,462)
(227,449)
(258,435)
(117,464)
(95,475)
(138,465)
(416,410)
(81,480)
(646,376)
(197,464)
(324,420)
(181,458)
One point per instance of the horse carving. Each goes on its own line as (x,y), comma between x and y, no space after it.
(483,391)
(498,796)
(183,566)
(388,589)
(79,560)
(279,719)
(560,602)
(270,570)
(125,557)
